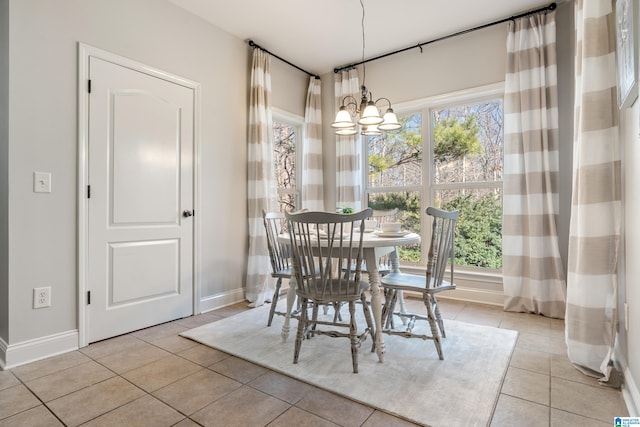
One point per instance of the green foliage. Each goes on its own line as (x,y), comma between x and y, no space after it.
(478,240)
(454,139)
(395,149)
(347,210)
(408,205)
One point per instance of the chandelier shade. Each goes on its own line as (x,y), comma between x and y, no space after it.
(371,121)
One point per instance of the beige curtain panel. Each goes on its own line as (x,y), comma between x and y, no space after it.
(260,177)
(534,280)
(348,148)
(594,242)
(312,177)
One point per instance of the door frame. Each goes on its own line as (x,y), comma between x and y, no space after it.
(84,52)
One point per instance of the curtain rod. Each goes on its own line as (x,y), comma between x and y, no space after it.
(254,45)
(551,7)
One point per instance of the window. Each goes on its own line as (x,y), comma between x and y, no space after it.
(286,157)
(458,165)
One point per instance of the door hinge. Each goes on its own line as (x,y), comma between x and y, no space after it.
(88,297)
(88,191)
(89,86)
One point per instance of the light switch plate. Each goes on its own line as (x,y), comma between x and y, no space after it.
(42,182)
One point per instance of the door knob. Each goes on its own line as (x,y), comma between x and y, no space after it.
(187,213)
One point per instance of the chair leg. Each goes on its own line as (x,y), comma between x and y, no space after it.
(434,327)
(436,311)
(302,323)
(367,317)
(274,301)
(387,309)
(353,335)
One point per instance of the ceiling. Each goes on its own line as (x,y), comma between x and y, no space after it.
(323,34)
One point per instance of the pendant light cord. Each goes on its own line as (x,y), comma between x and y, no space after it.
(364,66)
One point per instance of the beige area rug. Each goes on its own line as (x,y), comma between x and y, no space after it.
(412,383)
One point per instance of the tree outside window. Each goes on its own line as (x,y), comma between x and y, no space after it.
(464,168)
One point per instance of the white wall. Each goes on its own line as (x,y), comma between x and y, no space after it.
(4,167)
(43,62)
(629,292)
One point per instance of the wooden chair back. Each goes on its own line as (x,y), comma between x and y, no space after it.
(279,253)
(441,249)
(331,245)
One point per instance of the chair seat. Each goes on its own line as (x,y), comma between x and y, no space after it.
(333,293)
(412,283)
(285,273)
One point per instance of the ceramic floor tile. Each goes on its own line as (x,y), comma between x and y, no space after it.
(203,355)
(64,382)
(528,323)
(120,344)
(511,411)
(531,360)
(50,365)
(199,320)
(382,419)
(139,354)
(601,403)
(196,391)
(335,408)
(561,367)
(238,369)
(187,423)
(243,407)
(16,399)
(529,341)
(281,386)
(145,411)
(563,419)
(297,417)
(7,379)
(174,343)
(94,401)
(158,332)
(527,385)
(38,416)
(161,372)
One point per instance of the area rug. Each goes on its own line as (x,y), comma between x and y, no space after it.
(412,383)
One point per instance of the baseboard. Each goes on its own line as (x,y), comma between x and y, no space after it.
(213,302)
(14,355)
(481,296)
(631,394)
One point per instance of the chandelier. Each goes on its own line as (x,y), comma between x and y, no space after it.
(369,118)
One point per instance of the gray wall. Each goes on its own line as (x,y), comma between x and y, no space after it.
(4,168)
(43,38)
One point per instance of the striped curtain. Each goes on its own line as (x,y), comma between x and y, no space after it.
(594,242)
(312,190)
(348,148)
(532,268)
(260,177)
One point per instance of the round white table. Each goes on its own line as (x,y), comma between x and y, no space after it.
(374,247)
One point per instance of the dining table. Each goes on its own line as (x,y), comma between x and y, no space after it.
(375,244)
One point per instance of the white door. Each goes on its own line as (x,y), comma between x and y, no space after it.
(140,175)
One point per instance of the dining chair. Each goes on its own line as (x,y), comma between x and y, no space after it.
(440,258)
(279,255)
(329,243)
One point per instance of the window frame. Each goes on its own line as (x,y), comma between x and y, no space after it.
(297,122)
(428,188)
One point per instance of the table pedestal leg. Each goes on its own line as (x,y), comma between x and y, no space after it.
(376,301)
(395,267)
(291,297)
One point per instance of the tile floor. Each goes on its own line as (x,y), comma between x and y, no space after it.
(154,377)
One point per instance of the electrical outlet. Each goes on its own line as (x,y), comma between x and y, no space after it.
(42,297)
